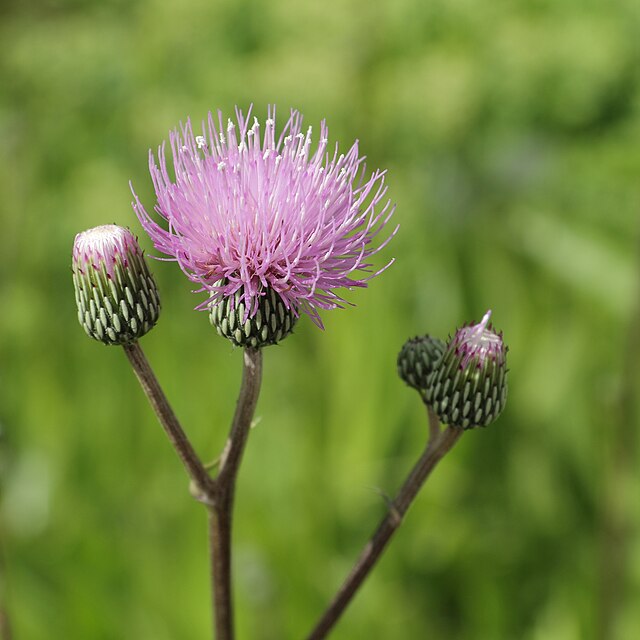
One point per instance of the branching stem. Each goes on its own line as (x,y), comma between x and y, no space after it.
(168,420)
(440,442)
(218,494)
(221,513)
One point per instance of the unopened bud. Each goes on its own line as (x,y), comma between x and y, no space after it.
(417,360)
(469,386)
(116,294)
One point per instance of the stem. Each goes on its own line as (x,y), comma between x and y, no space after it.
(434,427)
(218,494)
(168,420)
(220,546)
(221,511)
(439,444)
(245,408)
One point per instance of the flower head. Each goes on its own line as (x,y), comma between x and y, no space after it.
(468,387)
(417,359)
(116,294)
(250,211)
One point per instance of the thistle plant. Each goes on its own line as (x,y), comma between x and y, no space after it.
(271,227)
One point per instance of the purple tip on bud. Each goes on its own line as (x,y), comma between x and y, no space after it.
(479,342)
(116,294)
(469,386)
(101,247)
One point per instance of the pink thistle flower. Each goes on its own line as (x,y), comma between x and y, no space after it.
(250,211)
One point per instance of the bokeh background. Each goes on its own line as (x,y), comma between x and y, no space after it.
(511,135)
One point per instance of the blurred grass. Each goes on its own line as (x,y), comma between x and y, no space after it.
(511,132)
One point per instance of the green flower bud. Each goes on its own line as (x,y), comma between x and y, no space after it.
(469,386)
(271,322)
(417,360)
(116,294)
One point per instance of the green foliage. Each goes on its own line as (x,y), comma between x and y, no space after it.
(511,132)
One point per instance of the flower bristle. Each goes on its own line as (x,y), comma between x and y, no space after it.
(261,211)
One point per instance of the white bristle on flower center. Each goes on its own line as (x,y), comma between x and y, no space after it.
(105,241)
(479,341)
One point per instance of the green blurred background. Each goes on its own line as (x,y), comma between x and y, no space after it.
(511,134)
